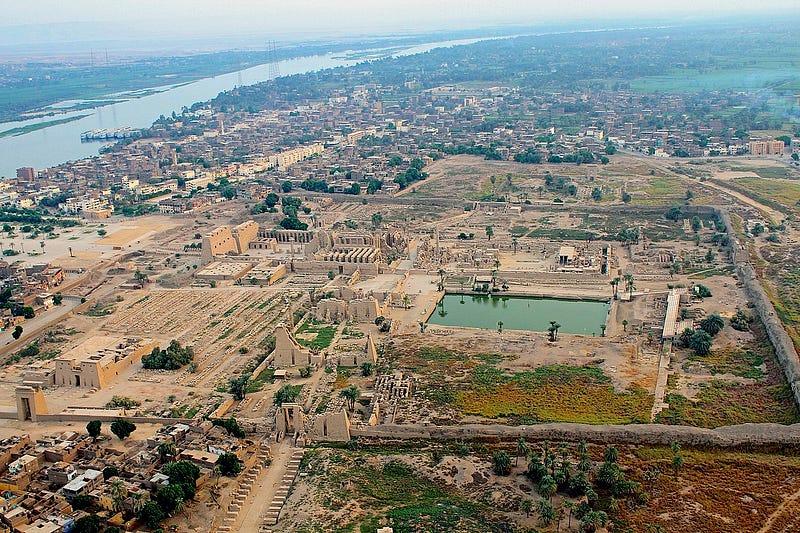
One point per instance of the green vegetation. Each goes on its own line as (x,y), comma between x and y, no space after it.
(122,402)
(122,428)
(408,502)
(22,130)
(323,338)
(553,393)
(230,425)
(173,358)
(229,465)
(287,394)
(768,398)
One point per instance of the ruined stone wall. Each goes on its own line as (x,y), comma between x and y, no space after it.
(784,347)
(743,435)
(781,341)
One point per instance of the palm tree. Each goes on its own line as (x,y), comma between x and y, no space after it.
(526,506)
(614,285)
(585,463)
(581,447)
(406,301)
(499,326)
(624,325)
(138,499)
(461,282)
(611,454)
(522,450)
(553,330)
(603,330)
(546,512)
(629,285)
(570,508)
(712,324)
(441,279)
(547,487)
(167,449)
(592,520)
(350,394)
(118,491)
(514,243)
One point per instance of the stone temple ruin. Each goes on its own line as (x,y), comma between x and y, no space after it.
(288,353)
(367,354)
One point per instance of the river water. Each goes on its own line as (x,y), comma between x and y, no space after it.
(60,143)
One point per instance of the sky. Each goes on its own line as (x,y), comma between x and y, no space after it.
(37,21)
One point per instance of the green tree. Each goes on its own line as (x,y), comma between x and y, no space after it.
(593,520)
(712,324)
(526,506)
(286,186)
(686,336)
(351,394)
(547,514)
(489,232)
(366,368)
(701,342)
(151,514)
(522,450)
(611,454)
(122,428)
(230,425)
(238,386)
(93,429)
(553,330)
(229,465)
(547,487)
(629,284)
(91,523)
(597,194)
(166,450)
(501,463)
(182,473)
(696,224)
(377,219)
(170,498)
(17,333)
(286,394)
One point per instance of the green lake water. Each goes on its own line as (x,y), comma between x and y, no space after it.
(582,317)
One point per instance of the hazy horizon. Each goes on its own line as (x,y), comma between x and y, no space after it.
(44,24)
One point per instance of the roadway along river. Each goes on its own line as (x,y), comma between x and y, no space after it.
(57,144)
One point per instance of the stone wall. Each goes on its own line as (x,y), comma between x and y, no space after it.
(781,341)
(743,435)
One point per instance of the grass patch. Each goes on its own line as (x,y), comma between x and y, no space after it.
(478,386)
(323,334)
(100,309)
(265,376)
(563,234)
(723,403)
(396,495)
(742,363)
(554,393)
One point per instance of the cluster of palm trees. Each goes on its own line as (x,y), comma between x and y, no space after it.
(629,284)
(552,471)
(552,329)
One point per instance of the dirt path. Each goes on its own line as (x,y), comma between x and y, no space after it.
(771,518)
(250,517)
